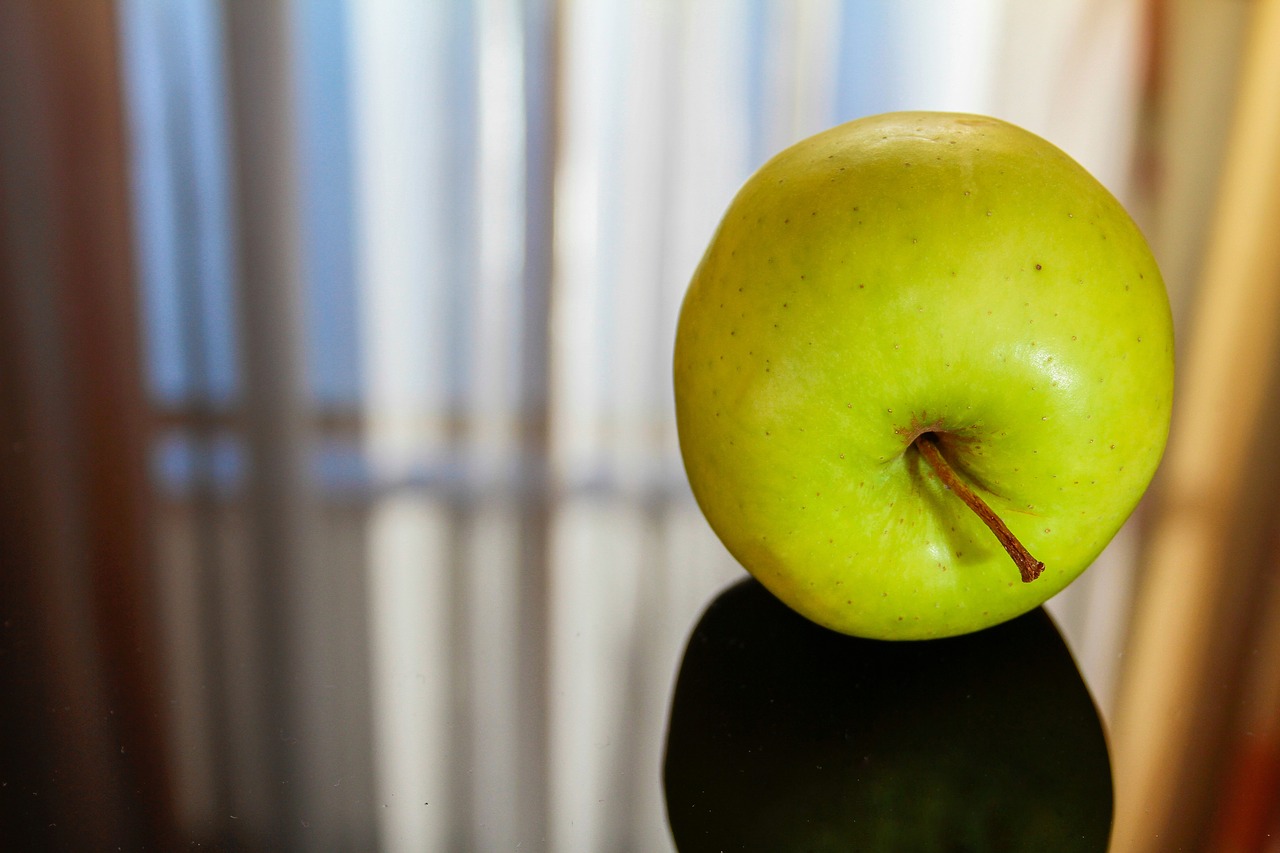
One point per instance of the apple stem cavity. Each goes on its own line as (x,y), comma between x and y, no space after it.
(1029,567)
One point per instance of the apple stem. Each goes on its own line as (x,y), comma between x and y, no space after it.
(1028,566)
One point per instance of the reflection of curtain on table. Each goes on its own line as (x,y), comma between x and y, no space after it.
(407,276)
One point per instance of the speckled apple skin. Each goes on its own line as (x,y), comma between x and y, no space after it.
(910,272)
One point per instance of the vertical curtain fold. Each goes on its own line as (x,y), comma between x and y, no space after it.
(84,757)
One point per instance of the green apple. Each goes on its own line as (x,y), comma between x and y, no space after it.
(784,736)
(909,333)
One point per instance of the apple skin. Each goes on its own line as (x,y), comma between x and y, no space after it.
(910,273)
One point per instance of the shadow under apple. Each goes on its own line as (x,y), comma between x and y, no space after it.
(787,736)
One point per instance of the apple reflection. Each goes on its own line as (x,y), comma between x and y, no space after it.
(786,736)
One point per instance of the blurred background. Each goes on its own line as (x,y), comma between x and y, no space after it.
(340,501)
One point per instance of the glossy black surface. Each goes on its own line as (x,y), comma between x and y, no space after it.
(786,736)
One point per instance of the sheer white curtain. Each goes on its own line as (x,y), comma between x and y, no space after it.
(497,206)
